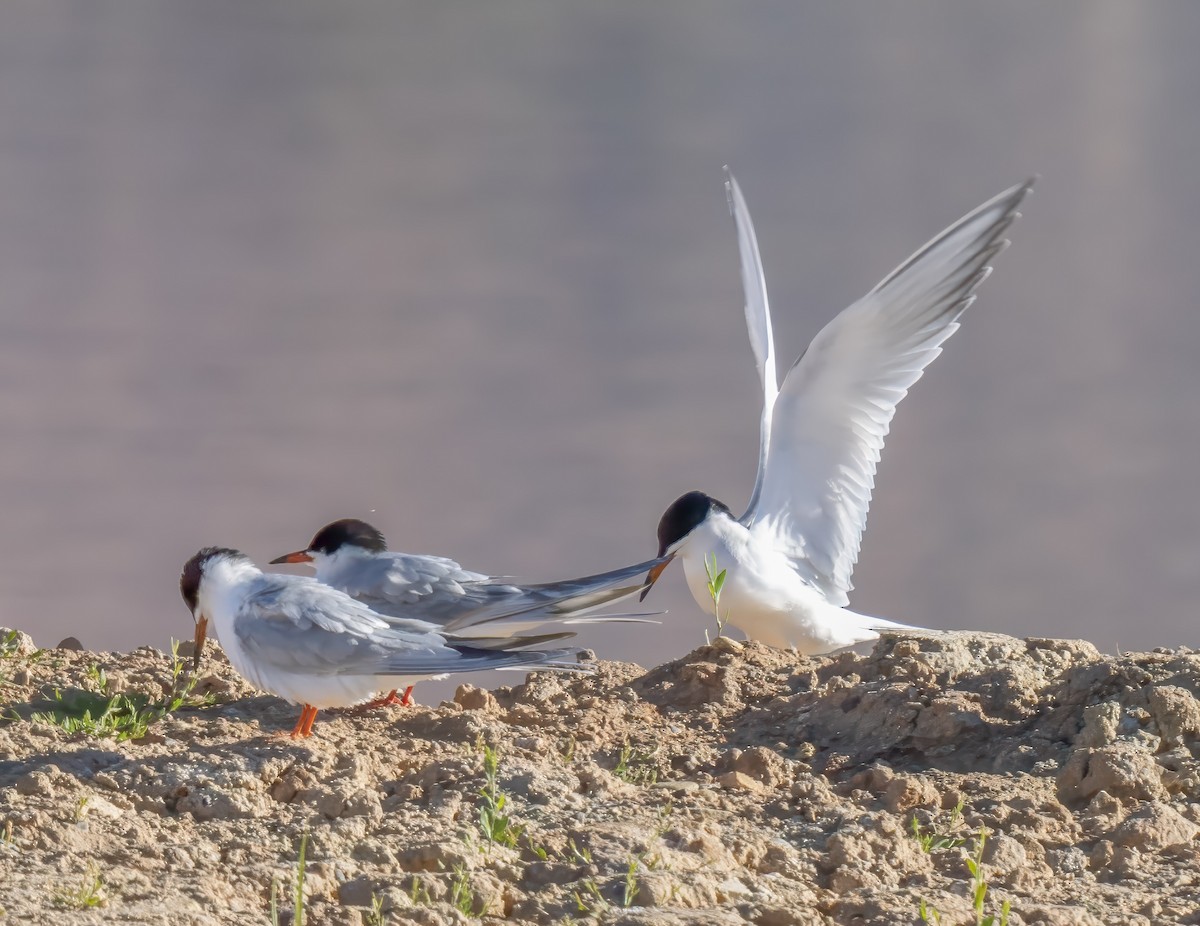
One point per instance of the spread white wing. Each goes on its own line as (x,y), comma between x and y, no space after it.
(758,322)
(837,402)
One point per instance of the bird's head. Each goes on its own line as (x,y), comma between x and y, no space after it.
(349,535)
(194,584)
(683,516)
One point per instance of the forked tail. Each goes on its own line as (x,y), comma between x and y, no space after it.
(882,624)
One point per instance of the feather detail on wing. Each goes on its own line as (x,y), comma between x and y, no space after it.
(836,403)
(299,625)
(400,585)
(559,602)
(758,321)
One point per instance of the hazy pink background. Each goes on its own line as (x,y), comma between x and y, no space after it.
(466,270)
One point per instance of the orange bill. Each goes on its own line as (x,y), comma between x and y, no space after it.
(300,556)
(198,646)
(653,574)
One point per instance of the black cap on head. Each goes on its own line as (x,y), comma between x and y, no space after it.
(347,532)
(193,569)
(685,514)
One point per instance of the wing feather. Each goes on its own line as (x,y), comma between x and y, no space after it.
(296,624)
(758,320)
(836,403)
(560,602)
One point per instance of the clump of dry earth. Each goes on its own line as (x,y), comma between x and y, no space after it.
(738,784)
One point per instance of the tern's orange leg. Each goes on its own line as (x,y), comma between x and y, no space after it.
(304,724)
(299,727)
(390,699)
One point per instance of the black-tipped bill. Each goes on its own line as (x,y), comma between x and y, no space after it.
(652,576)
(300,556)
(684,515)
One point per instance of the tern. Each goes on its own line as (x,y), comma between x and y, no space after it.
(352,556)
(788,560)
(312,645)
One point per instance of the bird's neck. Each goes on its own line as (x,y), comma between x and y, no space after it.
(330,566)
(717,531)
(223,587)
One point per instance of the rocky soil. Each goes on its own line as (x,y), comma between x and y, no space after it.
(738,784)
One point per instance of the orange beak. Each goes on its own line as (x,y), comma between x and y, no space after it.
(198,646)
(652,576)
(300,556)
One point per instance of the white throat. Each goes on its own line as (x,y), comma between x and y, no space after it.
(220,590)
(331,566)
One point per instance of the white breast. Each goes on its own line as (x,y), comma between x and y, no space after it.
(763,595)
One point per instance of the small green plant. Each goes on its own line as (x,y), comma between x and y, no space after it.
(716,582)
(589,899)
(630,892)
(979,887)
(635,767)
(938,834)
(180,693)
(665,813)
(580,855)
(298,912)
(7,836)
(122,716)
(567,751)
(495,825)
(98,677)
(85,896)
(462,895)
(375,917)
(10,644)
(418,892)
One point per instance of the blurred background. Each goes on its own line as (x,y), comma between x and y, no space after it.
(466,270)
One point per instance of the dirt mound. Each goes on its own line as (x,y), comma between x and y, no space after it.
(738,784)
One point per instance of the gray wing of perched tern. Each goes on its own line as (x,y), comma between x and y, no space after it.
(758,324)
(299,625)
(402,584)
(438,590)
(836,403)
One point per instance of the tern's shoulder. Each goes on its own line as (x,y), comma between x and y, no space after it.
(304,601)
(406,578)
(427,566)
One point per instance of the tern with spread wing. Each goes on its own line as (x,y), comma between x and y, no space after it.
(352,556)
(789,558)
(315,646)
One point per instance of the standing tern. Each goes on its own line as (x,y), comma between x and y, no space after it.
(315,646)
(352,556)
(789,558)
